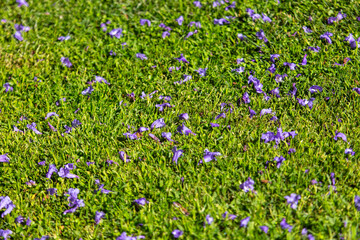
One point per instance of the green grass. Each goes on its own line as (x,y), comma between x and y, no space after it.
(210,188)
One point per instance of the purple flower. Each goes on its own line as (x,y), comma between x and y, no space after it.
(101,80)
(356,90)
(19,219)
(349,151)
(186,78)
(165,34)
(315,88)
(65,171)
(291,150)
(112,53)
(180,20)
(209,156)
(182,59)
(293,200)
(248,185)
(196,24)
(87,91)
(98,216)
(5,202)
(306,29)
(202,72)
(241,36)
(314,49)
(252,112)
(22,3)
(117,32)
(352,41)
(239,60)
(340,135)
(279,161)
(32,126)
(209,219)
(244,222)
(28,222)
(31,183)
(5,233)
(42,163)
(52,169)
(140,201)
(18,36)
(163,106)
(214,125)
(141,56)
(184,116)
(292,66)
(123,156)
(327,36)
(357,202)
(293,92)
(184,130)
(123,236)
(279,78)
(197,4)
(232,5)
(177,233)
(221,21)
(50,114)
(272,68)
(304,61)
(62,38)
(265,18)
(74,202)
(167,136)
(8,87)
(52,191)
(305,102)
(261,35)
(221,115)
(145,21)
(284,225)
(66,62)
(158,124)
(273,57)
(275,92)
(17,130)
(265,111)
(238,70)
(252,14)
(177,154)
(131,136)
(246,98)
(265,229)
(4,158)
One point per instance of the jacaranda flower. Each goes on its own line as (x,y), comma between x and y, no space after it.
(184,116)
(349,151)
(98,216)
(340,135)
(221,21)
(117,32)
(8,87)
(66,62)
(141,56)
(167,136)
(306,29)
(177,233)
(182,59)
(180,20)
(140,201)
(261,35)
(265,229)
(284,225)
(22,3)
(158,124)
(88,91)
(293,200)
(244,222)
(248,185)
(4,158)
(32,126)
(197,4)
(5,202)
(304,61)
(327,36)
(292,66)
(62,38)
(209,156)
(177,154)
(209,219)
(50,114)
(184,130)
(145,21)
(265,18)
(202,72)
(357,202)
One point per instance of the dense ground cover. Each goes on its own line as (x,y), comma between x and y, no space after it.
(188,190)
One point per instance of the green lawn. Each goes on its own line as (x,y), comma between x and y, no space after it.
(180,195)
